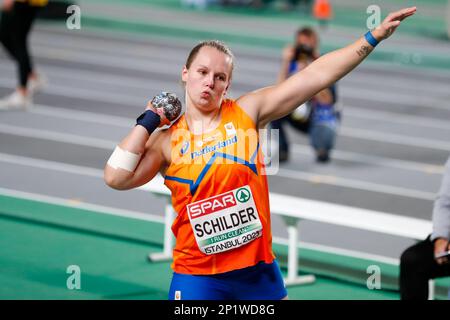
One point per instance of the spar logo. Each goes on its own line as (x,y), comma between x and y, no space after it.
(211,205)
(243,195)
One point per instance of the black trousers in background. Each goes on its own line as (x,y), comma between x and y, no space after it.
(15,25)
(417,266)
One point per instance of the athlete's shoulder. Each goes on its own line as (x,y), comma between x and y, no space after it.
(243,108)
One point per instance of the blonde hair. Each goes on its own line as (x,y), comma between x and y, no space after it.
(219,45)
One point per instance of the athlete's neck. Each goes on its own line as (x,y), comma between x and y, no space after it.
(200,121)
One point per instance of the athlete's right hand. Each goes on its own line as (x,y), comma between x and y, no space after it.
(160,112)
(441,245)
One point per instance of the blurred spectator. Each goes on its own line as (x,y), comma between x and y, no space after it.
(323,123)
(318,117)
(418,263)
(295,57)
(16,21)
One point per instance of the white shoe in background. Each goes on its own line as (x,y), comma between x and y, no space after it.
(15,101)
(37,84)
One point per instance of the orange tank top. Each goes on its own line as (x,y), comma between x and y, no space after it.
(220,194)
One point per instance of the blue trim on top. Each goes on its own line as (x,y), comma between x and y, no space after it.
(181,180)
(193,186)
(252,159)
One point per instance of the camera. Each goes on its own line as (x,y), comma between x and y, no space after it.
(304,52)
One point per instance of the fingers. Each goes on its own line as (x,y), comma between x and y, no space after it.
(150,106)
(160,112)
(393,20)
(391,27)
(401,14)
(441,261)
(164,122)
(393,24)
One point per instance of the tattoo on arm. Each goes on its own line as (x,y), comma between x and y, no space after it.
(363,51)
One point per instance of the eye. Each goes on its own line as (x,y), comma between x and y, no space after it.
(202,72)
(221,78)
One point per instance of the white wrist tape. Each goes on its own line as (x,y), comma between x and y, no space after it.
(124,159)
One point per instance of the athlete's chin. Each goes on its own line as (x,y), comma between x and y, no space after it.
(207,104)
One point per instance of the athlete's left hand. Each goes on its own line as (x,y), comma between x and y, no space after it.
(391,22)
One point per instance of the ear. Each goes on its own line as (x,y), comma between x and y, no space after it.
(184,74)
(226,89)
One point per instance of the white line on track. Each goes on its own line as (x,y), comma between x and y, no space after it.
(94,95)
(394,138)
(375,160)
(57,137)
(355,184)
(395,117)
(51,165)
(86,116)
(340,251)
(85,206)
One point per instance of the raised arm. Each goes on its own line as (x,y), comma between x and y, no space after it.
(274,102)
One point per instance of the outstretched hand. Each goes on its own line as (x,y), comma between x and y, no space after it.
(391,22)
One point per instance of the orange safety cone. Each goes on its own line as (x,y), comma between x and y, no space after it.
(322,11)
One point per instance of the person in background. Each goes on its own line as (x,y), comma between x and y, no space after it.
(420,262)
(318,117)
(295,58)
(324,123)
(17,18)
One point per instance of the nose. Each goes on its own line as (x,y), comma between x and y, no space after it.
(209,81)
